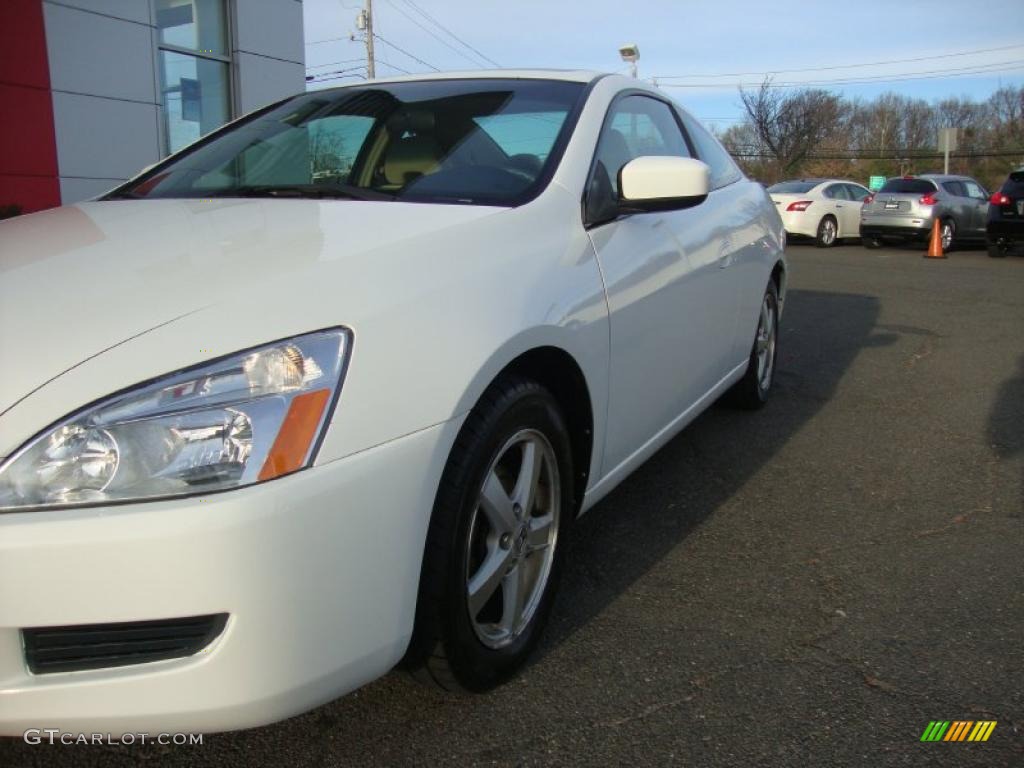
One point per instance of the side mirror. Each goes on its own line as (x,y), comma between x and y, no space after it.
(655,183)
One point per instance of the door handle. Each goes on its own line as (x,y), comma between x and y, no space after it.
(838,205)
(725,253)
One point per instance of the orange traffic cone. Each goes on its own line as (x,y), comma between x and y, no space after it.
(935,242)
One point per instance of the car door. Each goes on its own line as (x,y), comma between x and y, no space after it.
(858,195)
(979,205)
(671,305)
(955,202)
(846,213)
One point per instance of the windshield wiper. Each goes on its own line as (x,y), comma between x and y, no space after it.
(312,191)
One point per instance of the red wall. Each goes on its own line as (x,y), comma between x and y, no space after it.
(28,149)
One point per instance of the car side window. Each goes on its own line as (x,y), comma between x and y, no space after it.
(837,192)
(636,126)
(954,188)
(723,170)
(858,194)
(975,191)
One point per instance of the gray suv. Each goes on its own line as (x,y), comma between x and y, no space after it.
(905,208)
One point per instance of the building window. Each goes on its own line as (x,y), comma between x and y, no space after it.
(194,69)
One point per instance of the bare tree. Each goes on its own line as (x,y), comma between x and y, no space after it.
(326,149)
(816,133)
(791,125)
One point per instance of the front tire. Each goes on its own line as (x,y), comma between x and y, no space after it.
(752,391)
(828,232)
(495,544)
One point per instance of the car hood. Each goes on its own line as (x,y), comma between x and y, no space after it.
(79,280)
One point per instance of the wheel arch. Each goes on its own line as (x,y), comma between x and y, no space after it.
(781,280)
(558,370)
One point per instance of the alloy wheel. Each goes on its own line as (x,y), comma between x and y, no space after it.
(512,538)
(828,231)
(765,343)
(947,235)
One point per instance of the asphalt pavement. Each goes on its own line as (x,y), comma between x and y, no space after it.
(808,585)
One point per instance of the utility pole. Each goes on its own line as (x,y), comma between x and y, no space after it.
(364,23)
(371,70)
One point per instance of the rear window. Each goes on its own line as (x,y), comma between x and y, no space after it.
(793,187)
(1015,183)
(908,186)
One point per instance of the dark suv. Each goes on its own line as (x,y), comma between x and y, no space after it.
(904,208)
(1005,227)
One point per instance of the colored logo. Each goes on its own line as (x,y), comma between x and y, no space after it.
(958,730)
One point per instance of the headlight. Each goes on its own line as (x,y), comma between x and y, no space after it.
(249,417)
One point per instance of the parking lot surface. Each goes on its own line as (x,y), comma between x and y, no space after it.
(807,585)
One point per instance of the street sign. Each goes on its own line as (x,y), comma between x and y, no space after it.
(875,183)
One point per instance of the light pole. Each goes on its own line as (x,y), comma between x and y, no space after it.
(630,53)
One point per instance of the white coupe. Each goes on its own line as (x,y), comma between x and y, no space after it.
(825,209)
(323,392)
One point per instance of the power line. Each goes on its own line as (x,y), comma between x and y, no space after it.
(333,63)
(887,154)
(389,64)
(436,36)
(977,69)
(328,40)
(927,75)
(402,50)
(337,77)
(844,66)
(448,32)
(325,75)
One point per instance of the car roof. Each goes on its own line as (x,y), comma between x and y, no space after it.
(819,182)
(567,75)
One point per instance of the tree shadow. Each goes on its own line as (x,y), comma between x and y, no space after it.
(681,486)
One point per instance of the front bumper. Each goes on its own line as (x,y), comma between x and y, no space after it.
(318,573)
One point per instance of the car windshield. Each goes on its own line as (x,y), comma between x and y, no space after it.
(487,142)
(908,186)
(794,187)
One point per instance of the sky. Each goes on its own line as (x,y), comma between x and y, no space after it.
(700,51)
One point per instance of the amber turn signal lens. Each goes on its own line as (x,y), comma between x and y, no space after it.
(289,450)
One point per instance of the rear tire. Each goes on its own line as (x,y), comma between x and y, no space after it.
(947,233)
(495,546)
(872,243)
(828,232)
(752,391)
(996,250)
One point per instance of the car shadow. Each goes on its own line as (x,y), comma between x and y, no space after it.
(673,493)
